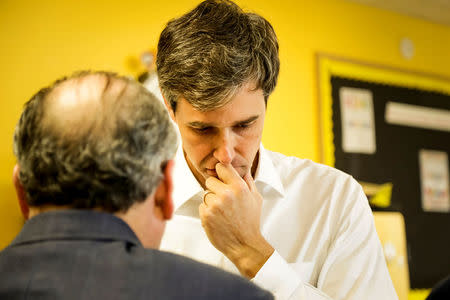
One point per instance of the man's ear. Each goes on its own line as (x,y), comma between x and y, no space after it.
(169,107)
(20,192)
(163,194)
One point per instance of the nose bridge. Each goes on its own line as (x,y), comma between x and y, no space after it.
(225,143)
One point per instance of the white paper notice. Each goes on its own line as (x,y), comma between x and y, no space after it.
(358,125)
(434,181)
(417,116)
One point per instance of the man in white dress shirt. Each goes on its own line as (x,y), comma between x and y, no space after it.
(297,228)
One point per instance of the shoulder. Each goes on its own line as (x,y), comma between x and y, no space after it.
(121,271)
(199,280)
(311,187)
(291,168)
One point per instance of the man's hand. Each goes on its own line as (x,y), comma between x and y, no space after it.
(231,215)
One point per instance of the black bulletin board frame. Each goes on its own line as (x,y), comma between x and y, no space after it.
(396,158)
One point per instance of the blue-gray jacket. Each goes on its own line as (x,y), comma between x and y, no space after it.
(75,254)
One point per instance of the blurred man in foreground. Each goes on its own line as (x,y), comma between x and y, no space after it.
(94,181)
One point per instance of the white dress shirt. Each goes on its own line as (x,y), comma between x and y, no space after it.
(316,218)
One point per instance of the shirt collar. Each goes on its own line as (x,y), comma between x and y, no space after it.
(186,185)
(266,174)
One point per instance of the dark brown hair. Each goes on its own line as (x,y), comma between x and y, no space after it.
(206,55)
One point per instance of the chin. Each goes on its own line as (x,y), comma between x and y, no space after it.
(209,173)
(242,171)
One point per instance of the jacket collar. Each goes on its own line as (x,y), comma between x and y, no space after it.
(75,225)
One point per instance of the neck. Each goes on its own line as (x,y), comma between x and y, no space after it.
(35,210)
(141,219)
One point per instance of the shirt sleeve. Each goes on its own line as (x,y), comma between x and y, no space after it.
(283,281)
(354,267)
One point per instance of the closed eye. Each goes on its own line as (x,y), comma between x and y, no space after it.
(202,130)
(244,125)
(241,126)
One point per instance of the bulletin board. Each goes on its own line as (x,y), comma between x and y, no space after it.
(390,129)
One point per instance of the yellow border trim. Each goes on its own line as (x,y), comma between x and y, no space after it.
(328,66)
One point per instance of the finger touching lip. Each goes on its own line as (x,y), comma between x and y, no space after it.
(211,172)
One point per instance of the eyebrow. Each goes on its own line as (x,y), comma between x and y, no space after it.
(198,124)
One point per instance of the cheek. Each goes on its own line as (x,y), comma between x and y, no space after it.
(248,144)
(196,148)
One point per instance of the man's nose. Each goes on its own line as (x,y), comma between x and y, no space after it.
(224,150)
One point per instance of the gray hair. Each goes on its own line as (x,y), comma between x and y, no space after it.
(206,55)
(93,140)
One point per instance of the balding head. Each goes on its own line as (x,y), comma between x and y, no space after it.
(93,140)
(87,104)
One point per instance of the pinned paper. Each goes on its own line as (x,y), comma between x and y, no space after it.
(380,194)
(417,116)
(434,181)
(358,125)
(383,197)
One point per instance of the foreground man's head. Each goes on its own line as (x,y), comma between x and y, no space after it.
(96,141)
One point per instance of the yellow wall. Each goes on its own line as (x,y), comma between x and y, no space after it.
(42,40)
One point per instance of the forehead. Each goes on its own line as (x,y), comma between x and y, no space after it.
(245,104)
